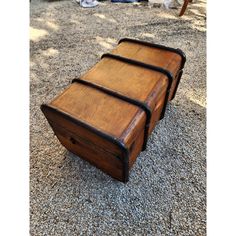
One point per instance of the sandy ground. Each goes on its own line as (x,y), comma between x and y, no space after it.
(166,194)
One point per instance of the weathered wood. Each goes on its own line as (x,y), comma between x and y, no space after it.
(135,82)
(102,112)
(106,115)
(149,54)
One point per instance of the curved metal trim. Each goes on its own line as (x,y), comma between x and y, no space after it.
(108,137)
(177,84)
(135,102)
(151,67)
(141,64)
(175,50)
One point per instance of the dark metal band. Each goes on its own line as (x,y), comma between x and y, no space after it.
(177,83)
(140,64)
(135,102)
(108,137)
(165,103)
(147,66)
(173,96)
(175,50)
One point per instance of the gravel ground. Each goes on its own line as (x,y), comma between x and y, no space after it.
(166,194)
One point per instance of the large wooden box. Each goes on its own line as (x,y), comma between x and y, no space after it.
(106,116)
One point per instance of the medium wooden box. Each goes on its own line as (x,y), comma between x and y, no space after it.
(106,116)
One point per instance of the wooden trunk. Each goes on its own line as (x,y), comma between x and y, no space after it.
(106,116)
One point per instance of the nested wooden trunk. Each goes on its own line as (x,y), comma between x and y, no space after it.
(106,116)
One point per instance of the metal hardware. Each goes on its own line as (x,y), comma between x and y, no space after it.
(177,83)
(133,101)
(151,67)
(175,50)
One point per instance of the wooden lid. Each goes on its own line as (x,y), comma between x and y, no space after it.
(165,59)
(106,113)
(130,80)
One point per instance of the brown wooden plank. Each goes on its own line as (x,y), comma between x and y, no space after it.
(136,148)
(57,119)
(102,159)
(133,81)
(156,114)
(134,129)
(106,113)
(150,55)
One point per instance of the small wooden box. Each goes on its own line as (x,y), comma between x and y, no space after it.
(106,116)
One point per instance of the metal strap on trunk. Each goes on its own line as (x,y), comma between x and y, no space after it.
(150,67)
(177,83)
(175,50)
(132,101)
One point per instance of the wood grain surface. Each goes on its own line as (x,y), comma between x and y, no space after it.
(153,56)
(136,82)
(108,115)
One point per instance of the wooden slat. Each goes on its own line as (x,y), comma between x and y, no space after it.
(108,114)
(133,81)
(99,157)
(150,55)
